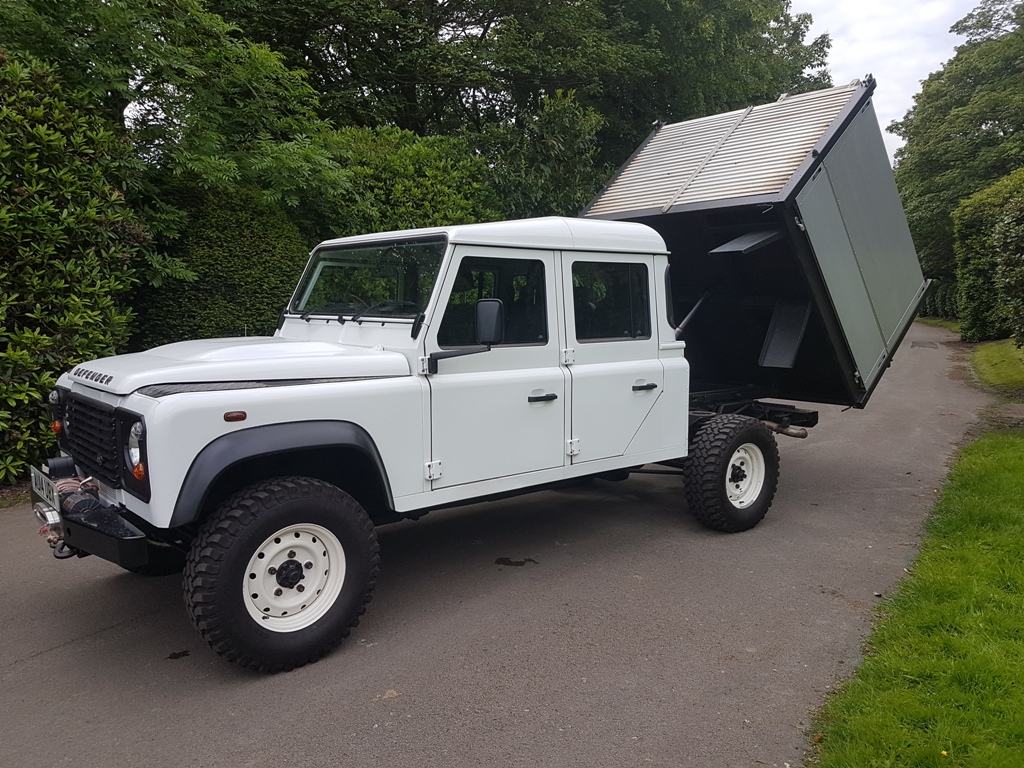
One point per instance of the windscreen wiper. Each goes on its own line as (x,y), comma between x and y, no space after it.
(396,303)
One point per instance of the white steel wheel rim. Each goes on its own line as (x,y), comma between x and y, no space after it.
(294,577)
(744,475)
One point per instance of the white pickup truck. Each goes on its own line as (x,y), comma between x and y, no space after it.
(428,368)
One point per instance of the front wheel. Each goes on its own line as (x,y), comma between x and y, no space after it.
(731,473)
(281,572)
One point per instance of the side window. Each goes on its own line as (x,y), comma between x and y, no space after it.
(610,301)
(519,283)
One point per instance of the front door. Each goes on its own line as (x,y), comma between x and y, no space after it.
(501,412)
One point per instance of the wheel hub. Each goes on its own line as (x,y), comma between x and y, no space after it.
(294,577)
(289,573)
(747,472)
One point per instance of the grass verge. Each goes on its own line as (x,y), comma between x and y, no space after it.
(1000,364)
(942,683)
(12,495)
(938,322)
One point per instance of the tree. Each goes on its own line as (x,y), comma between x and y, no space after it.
(441,67)
(70,248)
(204,106)
(965,131)
(990,20)
(548,164)
(401,181)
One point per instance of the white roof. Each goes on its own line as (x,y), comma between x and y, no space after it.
(749,152)
(552,233)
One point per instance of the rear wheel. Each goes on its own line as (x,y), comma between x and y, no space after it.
(281,572)
(731,472)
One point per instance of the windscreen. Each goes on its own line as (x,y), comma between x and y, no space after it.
(388,279)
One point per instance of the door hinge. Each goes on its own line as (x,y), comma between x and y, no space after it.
(433,470)
(424,365)
(568,356)
(572,447)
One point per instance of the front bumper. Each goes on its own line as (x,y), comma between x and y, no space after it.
(88,527)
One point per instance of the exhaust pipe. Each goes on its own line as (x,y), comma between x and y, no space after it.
(800,432)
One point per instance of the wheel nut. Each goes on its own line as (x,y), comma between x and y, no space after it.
(301,588)
(308,564)
(278,592)
(271,570)
(291,554)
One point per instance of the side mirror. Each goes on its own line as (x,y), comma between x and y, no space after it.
(490,321)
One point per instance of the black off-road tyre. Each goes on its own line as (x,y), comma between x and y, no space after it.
(280,573)
(163,561)
(731,473)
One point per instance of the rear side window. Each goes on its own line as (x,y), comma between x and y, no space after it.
(611,301)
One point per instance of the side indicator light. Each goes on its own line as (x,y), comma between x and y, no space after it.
(235,416)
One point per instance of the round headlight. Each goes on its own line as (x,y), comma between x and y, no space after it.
(135,444)
(54,397)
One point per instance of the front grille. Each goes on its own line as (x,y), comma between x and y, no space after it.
(91,433)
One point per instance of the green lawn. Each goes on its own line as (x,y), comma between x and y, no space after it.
(943,680)
(1000,364)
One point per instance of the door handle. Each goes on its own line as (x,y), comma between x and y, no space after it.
(644,387)
(542,398)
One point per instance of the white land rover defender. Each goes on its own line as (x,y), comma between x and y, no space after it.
(421,369)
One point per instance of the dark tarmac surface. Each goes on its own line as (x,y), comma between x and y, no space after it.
(630,636)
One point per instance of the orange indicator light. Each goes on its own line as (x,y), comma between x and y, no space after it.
(235,416)
(55,427)
(139,472)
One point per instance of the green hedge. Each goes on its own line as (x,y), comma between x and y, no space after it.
(399,180)
(984,303)
(940,301)
(70,249)
(1008,238)
(247,257)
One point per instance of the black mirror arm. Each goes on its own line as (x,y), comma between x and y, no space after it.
(444,354)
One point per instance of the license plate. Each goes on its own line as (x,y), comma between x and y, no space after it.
(45,488)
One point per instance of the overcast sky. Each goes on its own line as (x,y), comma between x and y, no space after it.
(900,42)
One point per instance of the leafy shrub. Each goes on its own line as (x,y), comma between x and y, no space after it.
(1008,238)
(399,180)
(70,249)
(983,307)
(940,301)
(247,257)
(928,305)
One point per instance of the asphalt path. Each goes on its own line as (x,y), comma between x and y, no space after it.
(622,634)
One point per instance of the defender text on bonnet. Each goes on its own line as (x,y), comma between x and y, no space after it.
(423,369)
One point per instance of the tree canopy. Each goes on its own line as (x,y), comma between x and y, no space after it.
(437,67)
(965,130)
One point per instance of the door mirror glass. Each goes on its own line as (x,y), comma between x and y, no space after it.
(490,321)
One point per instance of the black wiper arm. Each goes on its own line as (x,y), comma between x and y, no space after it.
(358,316)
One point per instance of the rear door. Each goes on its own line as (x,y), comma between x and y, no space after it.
(612,351)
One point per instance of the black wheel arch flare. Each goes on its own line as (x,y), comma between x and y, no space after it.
(261,442)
